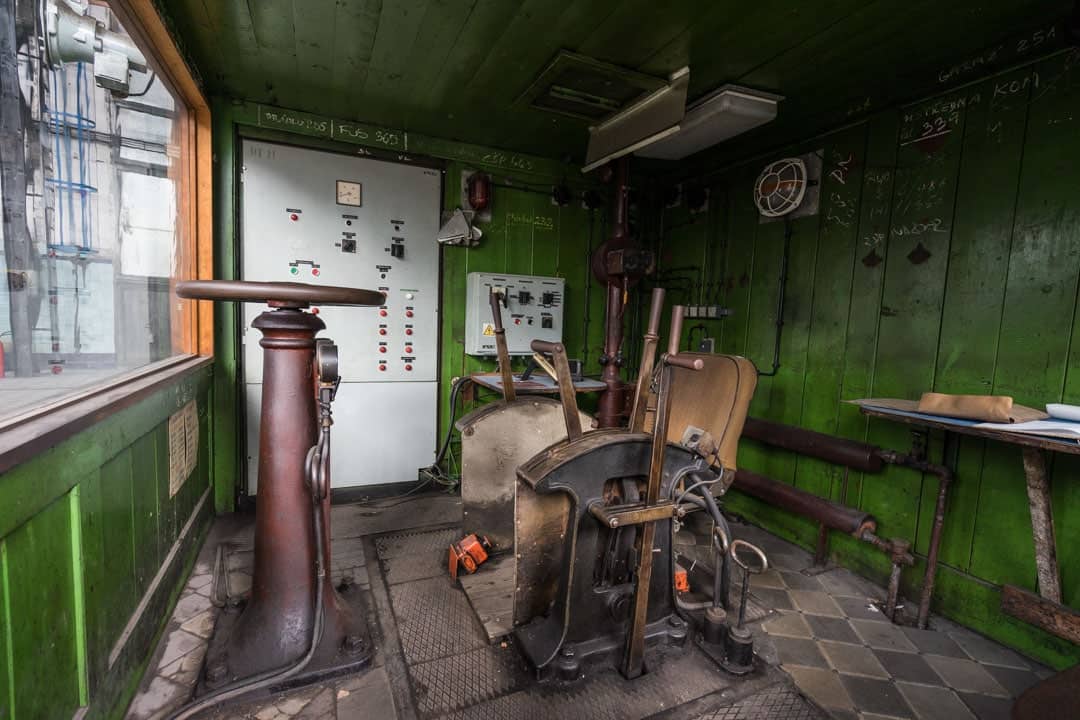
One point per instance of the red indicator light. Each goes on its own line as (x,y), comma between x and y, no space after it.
(315,272)
(382,313)
(408,331)
(382,348)
(382,331)
(294,217)
(382,368)
(408,367)
(408,349)
(408,313)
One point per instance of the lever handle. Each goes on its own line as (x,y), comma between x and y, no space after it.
(733,550)
(675,333)
(496,311)
(685,362)
(543,346)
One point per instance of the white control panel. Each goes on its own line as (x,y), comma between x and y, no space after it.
(532,310)
(333,219)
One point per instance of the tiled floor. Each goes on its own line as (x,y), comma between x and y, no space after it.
(824,632)
(844,655)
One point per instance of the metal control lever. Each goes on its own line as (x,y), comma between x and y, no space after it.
(739,642)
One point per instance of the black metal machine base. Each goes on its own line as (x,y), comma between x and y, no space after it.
(574,659)
(734,652)
(350,655)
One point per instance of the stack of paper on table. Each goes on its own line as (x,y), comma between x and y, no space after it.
(1064,423)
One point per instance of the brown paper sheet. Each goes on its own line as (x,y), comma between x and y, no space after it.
(1015,414)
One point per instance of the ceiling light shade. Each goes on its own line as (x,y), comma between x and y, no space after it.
(728,112)
(646,121)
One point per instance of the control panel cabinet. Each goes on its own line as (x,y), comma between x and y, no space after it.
(331,219)
(532,310)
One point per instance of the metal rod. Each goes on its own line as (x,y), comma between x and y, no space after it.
(648,362)
(834,515)
(509,394)
(567,391)
(839,451)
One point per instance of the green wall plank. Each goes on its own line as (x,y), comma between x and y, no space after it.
(146,554)
(931,140)
(738,247)
(118,543)
(7,679)
(867,283)
(39,576)
(841,192)
(1040,290)
(975,287)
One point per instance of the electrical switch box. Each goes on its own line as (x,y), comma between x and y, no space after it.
(330,219)
(532,309)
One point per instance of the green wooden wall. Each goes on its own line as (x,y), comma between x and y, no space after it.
(982,180)
(84,528)
(527,235)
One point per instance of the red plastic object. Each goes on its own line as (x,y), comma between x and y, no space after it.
(382,313)
(408,313)
(479,189)
(408,367)
(468,553)
(408,331)
(382,348)
(294,217)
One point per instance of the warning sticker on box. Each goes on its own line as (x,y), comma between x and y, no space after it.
(489,330)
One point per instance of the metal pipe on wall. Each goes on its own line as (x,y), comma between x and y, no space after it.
(866,458)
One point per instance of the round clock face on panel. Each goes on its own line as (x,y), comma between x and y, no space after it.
(349,193)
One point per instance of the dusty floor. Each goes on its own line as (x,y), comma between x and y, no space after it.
(829,642)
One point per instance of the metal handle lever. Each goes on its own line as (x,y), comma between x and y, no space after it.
(733,550)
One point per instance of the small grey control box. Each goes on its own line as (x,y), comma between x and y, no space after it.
(532,309)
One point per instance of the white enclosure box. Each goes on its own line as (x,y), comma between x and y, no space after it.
(532,310)
(332,219)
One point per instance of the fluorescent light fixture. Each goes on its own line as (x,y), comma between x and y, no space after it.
(654,117)
(721,115)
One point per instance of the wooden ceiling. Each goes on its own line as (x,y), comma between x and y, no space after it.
(454,68)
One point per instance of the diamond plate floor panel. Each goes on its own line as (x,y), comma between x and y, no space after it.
(415,555)
(434,620)
(680,676)
(779,702)
(460,681)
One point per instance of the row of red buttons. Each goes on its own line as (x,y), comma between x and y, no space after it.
(383,313)
(408,367)
(382,331)
(408,349)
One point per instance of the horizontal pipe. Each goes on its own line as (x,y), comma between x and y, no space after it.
(839,451)
(833,515)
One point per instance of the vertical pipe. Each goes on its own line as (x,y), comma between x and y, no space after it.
(18,245)
(648,362)
(612,400)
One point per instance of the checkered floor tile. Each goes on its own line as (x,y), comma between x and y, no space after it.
(828,634)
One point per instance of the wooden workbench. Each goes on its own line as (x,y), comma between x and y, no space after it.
(1050,615)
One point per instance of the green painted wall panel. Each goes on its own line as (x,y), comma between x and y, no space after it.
(7,681)
(958,273)
(39,578)
(76,563)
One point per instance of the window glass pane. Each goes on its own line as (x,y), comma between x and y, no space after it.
(95,161)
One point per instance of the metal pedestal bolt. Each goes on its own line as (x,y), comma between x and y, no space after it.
(739,641)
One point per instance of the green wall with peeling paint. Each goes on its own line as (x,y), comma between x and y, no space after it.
(945,257)
(84,528)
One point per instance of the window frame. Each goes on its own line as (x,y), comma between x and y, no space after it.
(27,433)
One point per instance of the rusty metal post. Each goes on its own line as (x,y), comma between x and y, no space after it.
(567,391)
(275,627)
(634,656)
(611,404)
(509,394)
(648,362)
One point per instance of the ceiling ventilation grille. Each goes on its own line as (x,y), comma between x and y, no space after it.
(586,88)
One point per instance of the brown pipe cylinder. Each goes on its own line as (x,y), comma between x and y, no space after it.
(675,332)
(833,515)
(839,451)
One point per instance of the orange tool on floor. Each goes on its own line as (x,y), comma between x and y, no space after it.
(468,553)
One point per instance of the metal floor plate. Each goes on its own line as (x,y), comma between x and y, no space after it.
(434,619)
(415,555)
(779,702)
(455,674)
